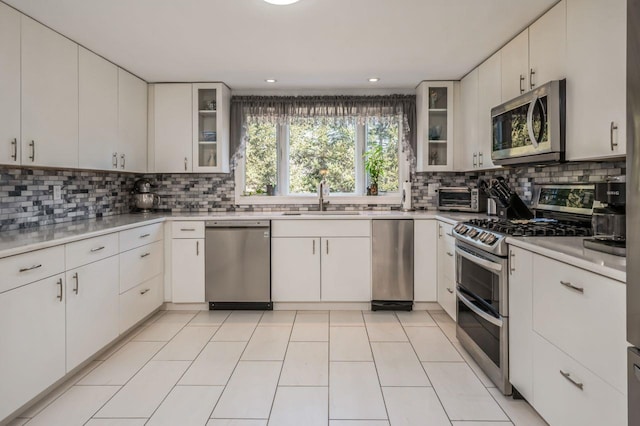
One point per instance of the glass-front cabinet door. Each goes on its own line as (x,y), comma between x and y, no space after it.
(434,108)
(211,108)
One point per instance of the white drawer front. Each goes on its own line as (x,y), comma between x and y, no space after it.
(30,267)
(139,302)
(140,264)
(588,323)
(90,250)
(187,229)
(562,402)
(136,237)
(321,228)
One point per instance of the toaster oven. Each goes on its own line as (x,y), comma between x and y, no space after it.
(462,199)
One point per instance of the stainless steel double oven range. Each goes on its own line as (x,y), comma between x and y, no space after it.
(482,271)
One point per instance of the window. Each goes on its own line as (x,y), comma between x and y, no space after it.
(290,157)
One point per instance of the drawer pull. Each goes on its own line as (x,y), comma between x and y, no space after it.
(31,268)
(144,255)
(572,287)
(59,297)
(573,382)
(93,250)
(144,291)
(77,287)
(449,254)
(145,235)
(449,290)
(449,234)
(187,229)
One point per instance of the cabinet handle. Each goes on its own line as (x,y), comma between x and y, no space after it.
(571,286)
(313,249)
(31,268)
(32,157)
(187,229)
(475,159)
(144,255)
(197,248)
(59,296)
(573,382)
(480,159)
(327,246)
(123,158)
(185,164)
(532,72)
(114,160)
(439,231)
(521,84)
(449,290)
(613,128)
(77,287)
(146,290)
(14,145)
(93,250)
(145,235)
(512,266)
(449,254)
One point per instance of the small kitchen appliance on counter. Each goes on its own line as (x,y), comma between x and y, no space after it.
(144,200)
(462,199)
(609,219)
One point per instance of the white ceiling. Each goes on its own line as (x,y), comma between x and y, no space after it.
(313,44)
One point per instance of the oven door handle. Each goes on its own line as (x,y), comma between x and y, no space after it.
(485,316)
(482,262)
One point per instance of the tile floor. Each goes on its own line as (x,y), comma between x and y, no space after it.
(339,368)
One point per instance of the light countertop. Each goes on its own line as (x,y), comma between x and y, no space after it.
(570,250)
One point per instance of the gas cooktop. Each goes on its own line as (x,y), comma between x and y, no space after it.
(490,234)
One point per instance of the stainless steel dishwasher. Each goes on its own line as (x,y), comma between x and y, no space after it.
(238,264)
(392,264)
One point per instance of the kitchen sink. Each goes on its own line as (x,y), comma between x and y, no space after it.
(322,213)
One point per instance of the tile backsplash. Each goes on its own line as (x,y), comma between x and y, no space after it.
(26,195)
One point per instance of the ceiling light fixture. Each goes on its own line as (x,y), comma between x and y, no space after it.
(374,80)
(281,2)
(271,80)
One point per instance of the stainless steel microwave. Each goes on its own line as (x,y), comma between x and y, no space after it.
(462,199)
(530,128)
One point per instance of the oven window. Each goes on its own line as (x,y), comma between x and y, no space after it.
(483,283)
(460,199)
(482,332)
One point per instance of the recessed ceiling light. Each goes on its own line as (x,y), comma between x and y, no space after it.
(271,80)
(281,2)
(374,80)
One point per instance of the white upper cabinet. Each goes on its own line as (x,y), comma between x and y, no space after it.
(434,110)
(49,97)
(98,115)
(9,85)
(515,66)
(170,129)
(596,79)
(211,109)
(466,156)
(548,46)
(489,96)
(132,123)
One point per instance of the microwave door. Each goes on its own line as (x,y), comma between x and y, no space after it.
(536,117)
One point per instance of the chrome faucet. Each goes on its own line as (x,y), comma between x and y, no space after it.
(322,205)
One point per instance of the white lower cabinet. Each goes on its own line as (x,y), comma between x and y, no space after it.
(92,309)
(32,338)
(345,269)
(521,321)
(446,269)
(140,301)
(567,394)
(425,264)
(187,270)
(140,264)
(295,269)
(321,261)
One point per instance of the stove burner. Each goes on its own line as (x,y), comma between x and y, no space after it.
(529,228)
